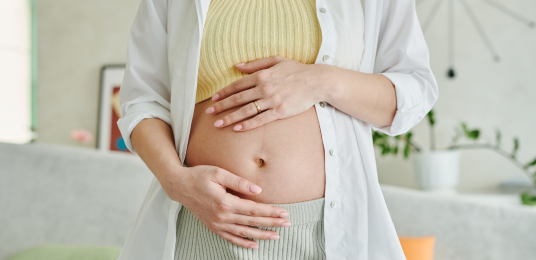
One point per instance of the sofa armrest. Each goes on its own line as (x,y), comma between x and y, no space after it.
(464,227)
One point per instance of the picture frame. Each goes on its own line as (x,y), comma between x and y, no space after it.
(109,137)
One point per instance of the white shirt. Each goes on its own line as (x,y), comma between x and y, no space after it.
(161,79)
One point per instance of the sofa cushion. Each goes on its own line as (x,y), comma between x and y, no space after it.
(68,252)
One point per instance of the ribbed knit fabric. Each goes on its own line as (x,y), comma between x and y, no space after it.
(244,30)
(303,240)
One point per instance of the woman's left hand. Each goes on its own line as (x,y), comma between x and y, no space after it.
(282,88)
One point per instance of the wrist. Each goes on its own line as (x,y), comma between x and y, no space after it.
(171,171)
(330,86)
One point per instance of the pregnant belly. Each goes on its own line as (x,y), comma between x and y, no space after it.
(285,157)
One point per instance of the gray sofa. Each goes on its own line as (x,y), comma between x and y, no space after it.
(67,195)
(60,194)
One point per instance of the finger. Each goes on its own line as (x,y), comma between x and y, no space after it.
(255,209)
(249,81)
(236,183)
(244,112)
(259,120)
(251,232)
(236,86)
(260,64)
(260,221)
(234,100)
(239,241)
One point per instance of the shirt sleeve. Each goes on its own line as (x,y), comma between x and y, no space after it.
(402,56)
(145,91)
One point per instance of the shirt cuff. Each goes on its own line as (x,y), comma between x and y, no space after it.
(135,114)
(409,102)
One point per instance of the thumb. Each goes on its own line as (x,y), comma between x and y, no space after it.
(237,183)
(260,64)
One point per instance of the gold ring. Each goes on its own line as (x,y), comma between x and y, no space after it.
(257,106)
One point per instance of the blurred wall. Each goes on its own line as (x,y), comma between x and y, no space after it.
(485,94)
(75,38)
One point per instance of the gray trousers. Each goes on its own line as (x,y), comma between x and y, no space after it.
(303,240)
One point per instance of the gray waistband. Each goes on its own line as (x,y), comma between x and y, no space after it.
(304,212)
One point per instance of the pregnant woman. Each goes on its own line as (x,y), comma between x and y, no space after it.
(255,118)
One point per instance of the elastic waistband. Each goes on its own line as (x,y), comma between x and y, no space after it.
(304,212)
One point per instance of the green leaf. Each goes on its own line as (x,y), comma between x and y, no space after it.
(532,163)
(382,147)
(408,136)
(528,199)
(406,151)
(376,136)
(431,118)
(395,150)
(474,134)
(516,147)
(471,134)
(497,137)
(386,150)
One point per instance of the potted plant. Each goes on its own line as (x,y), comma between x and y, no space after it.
(438,169)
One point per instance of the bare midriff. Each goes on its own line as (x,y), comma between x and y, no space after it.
(284,157)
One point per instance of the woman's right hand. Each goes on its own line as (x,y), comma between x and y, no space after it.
(202,189)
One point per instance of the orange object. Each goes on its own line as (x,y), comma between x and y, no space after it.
(418,248)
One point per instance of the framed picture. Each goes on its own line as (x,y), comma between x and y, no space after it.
(109,137)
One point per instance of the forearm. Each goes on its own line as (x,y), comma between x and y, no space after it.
(368,97)
(153,140)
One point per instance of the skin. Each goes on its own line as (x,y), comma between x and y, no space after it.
(202,189)
(282,88)
(285,157)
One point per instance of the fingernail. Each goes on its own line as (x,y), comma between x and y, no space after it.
(255,189)
(274,237)
(237,127)
(254,247)
(286,224)
(215,97)
(218,123)
(240,64)
(210,110)
(283,215)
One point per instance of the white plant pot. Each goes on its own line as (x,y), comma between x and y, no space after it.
(438,171)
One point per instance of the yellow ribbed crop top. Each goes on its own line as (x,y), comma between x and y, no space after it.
(244,30)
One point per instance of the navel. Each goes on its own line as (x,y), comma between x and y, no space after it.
(260,162)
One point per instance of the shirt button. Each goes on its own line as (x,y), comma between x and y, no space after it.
(333,204)
(331,152)
(322,9)
(325,58)
(322,104)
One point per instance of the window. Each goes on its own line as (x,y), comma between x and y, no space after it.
(16,61)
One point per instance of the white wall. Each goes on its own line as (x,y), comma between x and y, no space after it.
(77,37)
(485,94)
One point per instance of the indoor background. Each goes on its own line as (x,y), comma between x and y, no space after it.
(493,88)
(76,38)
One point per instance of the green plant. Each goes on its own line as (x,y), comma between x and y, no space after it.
(528,198)
(391,145)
